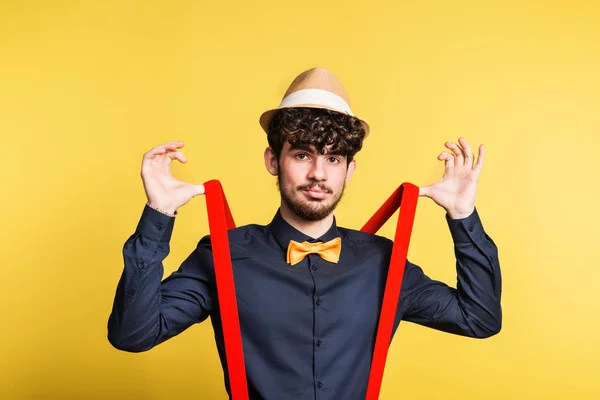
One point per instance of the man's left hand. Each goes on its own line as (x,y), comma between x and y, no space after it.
(455,192)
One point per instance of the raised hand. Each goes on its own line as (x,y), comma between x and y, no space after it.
(455,192)
(162,190)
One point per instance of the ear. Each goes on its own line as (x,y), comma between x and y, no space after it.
(271,161)
(351,169)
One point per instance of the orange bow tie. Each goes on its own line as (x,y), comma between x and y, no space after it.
(329,251)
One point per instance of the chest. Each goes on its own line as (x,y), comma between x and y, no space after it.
(277,301)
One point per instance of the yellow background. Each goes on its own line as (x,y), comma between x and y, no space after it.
(87,87)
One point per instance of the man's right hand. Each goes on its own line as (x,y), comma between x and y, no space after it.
(163,191)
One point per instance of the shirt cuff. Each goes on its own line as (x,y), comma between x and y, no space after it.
(465,230)
(155,225)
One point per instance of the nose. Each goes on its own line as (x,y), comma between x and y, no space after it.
(317,170)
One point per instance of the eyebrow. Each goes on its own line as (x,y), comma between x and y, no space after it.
(297,147)
(304,148)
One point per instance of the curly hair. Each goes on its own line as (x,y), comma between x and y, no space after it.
(330,131)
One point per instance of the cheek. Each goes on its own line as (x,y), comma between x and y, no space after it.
(287,178)
(338,178)
(292,175)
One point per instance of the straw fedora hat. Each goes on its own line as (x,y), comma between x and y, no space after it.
(314,88)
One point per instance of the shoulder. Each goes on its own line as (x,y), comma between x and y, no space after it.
(360,239)
(238,236)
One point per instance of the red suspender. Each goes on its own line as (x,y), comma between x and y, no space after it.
(407,202)
(220,221)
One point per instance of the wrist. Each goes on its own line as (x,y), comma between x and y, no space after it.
(170,211)
(459,215)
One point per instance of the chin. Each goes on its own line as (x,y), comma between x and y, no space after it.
(309,211)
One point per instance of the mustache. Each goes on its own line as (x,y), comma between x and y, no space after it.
(315,186)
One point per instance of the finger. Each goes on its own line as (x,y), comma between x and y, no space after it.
(480,159)
(467,151)
(162,149)
(457,151)
(424,191)
(154,152)
(167,147)
(448,158)
(177,155)
(199,189)
(170,145)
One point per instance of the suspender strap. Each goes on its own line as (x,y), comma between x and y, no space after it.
(405,197)
(220,221)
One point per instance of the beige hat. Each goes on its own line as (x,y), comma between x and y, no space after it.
(315,88)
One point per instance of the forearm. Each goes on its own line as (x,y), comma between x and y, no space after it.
(135,323)
(473,308)
(479,289)
(479,283)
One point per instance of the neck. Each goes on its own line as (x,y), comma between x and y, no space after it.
(314,229)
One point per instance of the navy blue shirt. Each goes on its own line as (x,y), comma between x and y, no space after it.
(308,330)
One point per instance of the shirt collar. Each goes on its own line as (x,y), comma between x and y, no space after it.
(283,232)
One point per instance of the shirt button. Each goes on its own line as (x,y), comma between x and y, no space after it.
(318,302)
(319,384)
(318,343)
(159,226)
(140,264)
(314,268)
(470,229)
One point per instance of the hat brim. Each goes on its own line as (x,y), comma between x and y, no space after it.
(266,117)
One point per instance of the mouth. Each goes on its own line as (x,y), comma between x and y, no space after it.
(315,193)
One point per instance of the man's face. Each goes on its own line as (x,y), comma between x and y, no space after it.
(312,184)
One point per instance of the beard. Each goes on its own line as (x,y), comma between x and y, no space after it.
(308,209)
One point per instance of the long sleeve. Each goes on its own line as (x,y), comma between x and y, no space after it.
(472,309)
(146,311)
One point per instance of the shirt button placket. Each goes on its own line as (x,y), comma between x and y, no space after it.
(313,260)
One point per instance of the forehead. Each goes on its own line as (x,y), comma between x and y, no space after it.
(310,148)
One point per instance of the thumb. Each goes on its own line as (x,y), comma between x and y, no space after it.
(425,191)
(198,189)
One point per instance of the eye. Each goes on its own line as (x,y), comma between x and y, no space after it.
(301,156)
(334,160)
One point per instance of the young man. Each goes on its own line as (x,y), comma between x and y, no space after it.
(308,319)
